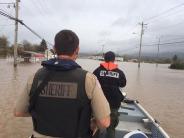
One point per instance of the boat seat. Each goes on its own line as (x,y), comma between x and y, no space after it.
(130,113)
(135,134)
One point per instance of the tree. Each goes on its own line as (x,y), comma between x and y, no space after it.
(43,46)
(175,58)
(125,57)
(10,50)
(177,64)
(3,45)
(20,49)
(36,47)
(27,45)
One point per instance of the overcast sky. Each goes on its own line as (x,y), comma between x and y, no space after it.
(112,23)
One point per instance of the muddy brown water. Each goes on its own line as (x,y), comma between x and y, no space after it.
(159,90)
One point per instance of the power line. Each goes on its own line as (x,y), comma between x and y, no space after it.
(5,12)
(5,20)
(38,7)
(50,9)
(164,12)
(171,26)
(168,15)
(168,25)
(130,31)
(22,23)
(7,3)
(34,12)
(168,43)
(47,6)
(6,24)
(174,39)
(42,6)
(7,15)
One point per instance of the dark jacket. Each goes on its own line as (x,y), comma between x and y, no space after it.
(111,79)
(62,109)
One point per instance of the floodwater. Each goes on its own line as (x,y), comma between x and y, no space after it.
(160,91)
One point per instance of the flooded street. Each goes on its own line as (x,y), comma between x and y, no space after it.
(160,91)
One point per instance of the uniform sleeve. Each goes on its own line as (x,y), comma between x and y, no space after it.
(22,103)
(99,103)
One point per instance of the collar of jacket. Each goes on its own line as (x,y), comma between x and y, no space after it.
(109,65)
(60,64)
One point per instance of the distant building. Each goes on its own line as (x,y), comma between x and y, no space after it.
(97,58)
(119,59)
(48,54)
(133,60)
(29,56)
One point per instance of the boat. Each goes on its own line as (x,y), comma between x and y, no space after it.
(135,120)
(133,117)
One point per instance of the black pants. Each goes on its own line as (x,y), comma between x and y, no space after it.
(110,131)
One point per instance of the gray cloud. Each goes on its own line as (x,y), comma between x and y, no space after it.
(108,21)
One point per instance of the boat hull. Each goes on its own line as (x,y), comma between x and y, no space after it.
(134,117)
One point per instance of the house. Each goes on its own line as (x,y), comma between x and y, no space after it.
(30,56)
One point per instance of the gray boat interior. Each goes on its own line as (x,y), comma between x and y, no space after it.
(133,118)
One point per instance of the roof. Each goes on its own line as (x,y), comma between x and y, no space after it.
(35,54)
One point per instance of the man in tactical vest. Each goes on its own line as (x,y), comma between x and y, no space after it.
(61,97)
(112,79)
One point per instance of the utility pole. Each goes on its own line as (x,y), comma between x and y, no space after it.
(16,32)
(158,51)
(142,32)
(103,50)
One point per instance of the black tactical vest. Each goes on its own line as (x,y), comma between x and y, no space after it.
(62,108)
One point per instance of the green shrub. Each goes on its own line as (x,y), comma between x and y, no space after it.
(177,66)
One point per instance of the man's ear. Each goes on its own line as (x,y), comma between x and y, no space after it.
(77,50)
(54,49)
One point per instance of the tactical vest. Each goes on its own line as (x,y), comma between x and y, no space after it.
(62,108)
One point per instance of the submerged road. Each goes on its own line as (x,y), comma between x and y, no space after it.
(160,91)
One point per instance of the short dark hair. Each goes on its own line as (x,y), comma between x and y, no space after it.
(109,56)
(66,42)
